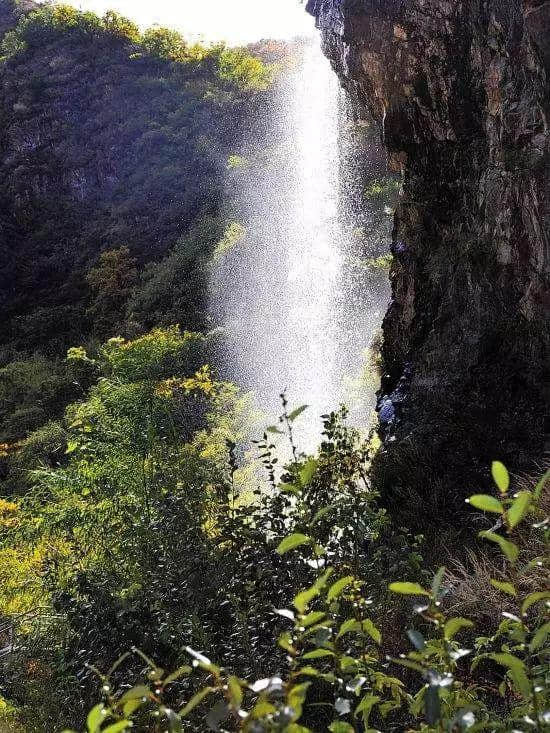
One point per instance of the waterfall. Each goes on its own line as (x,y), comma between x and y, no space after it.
(280,292)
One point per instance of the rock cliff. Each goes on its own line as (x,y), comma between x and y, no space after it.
(460,89)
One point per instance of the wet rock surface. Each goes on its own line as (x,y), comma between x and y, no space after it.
(461,92)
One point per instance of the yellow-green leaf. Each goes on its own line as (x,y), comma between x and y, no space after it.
(486,503)
(408,589)
(335,590)
(454,625)
(196,700)
(508,548)
(293,541)
(504,587)
(533,598)
(519,508)
(501,476)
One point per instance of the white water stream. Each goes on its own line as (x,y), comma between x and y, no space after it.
(279,292)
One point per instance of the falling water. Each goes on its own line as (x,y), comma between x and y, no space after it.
(280,292)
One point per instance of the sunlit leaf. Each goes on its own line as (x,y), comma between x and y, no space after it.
(454,625)
(408,589)
(519,508)
(335,590)
(196,700)
(533,598)
(508,548)
(486,503)
(95,718)
(501,476)
(297,412)
(504,587)
(292,542)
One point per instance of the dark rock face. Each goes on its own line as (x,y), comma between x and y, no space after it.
(461,90)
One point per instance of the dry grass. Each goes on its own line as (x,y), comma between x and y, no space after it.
(472,594)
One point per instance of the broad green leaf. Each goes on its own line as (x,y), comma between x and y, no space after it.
(196,700)
(339,726)
(318,654)
(235,691)
(539,637)
(323,512)
(519,508)
(293,541)
(365,707)
(307,471)
(335,590)
(501,476)
(533,598)
(454,625)
(517,672)
(508,548)
(136,693)
(304,598)
(504,587)
(486,503)
(131,706)
(312,618)
(297,412)
(370,629)
(95,718)
(117,727)
(408,589)
(350,625)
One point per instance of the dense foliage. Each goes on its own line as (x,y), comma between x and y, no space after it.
(139,525)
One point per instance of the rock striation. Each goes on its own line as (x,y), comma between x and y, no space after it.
(461,92)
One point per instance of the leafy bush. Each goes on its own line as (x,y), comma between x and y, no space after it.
(334,659)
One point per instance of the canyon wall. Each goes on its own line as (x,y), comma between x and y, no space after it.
(460,90)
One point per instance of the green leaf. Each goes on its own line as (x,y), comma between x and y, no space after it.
(370,629)
(504,587)
(533,598)
(297,412)
(339,726)
(196,700)
(274,429)
(365,707)
(235,691)
(517,672)
(312,618)
(335,590)
(307,471)
(293,541)
(541,484)
(181,672)
(438,579)
(304,598)
(323,512)
(501,476)
(136,693)
(519,508)
(131,706)
(350,625)
(318,654)
(95,718)
(486,503)
(116,727)
(454,625)
(539,637)
(508,548)
(408,589)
